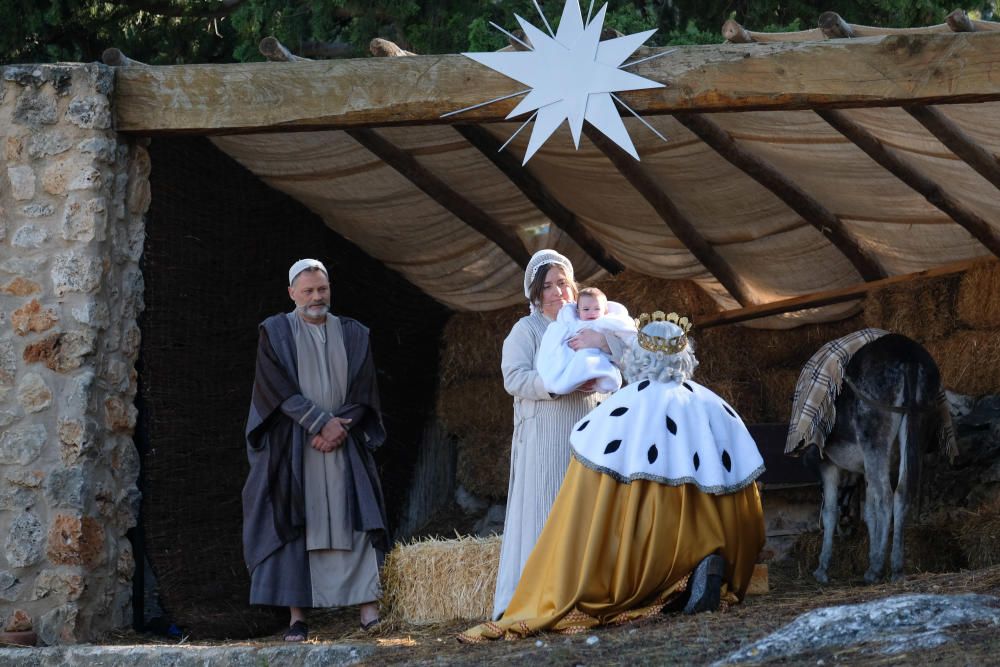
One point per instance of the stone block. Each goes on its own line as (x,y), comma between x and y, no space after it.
(22,446)
(77,439)
(65,583)
(102,148)
(133,289)
(125,460)
(66,488)
(23,266)
(37,210)
(22,182)
(16,498)
(119,417)
(59,626)
(25,541)
(72,173)
(75,540)
(18,621)
(130,341)
(29,236)
(21,287)
(14,148)
(92,313)
(10,587)
(31,318)
(8,364)
(89,112)
(33,393)
(126,563)
(61,352)
(76,272)
(6,416)
(76,394)
(84,219)
(47,144)
(35,108)
(30,479)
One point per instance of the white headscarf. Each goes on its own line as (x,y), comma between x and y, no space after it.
(537,261)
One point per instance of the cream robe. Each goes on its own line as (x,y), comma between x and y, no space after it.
(343,565)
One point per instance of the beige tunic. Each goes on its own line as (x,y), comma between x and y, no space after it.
(540,450)
(343,566)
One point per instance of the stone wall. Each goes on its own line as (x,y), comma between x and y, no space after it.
(72,201)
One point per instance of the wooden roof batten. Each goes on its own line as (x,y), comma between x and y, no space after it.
(979,228)
(961,144)
(647,185)
(407,166)
(533,190)
(831,25)
(797,199)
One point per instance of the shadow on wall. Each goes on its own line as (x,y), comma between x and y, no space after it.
(219,244)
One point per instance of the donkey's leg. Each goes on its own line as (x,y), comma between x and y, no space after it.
(907,483)
(830,474)
(878,503)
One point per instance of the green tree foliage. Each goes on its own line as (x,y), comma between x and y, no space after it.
(186,31)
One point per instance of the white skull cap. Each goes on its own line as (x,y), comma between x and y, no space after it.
(303,264)
(540,259)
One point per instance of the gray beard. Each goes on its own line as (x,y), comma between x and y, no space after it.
(314,311)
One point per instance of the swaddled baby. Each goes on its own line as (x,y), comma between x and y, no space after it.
(563,370)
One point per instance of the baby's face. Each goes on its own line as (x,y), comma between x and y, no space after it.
(590,308)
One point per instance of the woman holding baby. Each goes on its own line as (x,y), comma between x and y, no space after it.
(540,449)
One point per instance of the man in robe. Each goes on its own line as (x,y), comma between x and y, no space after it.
(314,525)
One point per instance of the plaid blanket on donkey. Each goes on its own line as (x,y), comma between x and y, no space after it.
(813,411)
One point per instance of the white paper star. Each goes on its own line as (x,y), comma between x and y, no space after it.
(572,76)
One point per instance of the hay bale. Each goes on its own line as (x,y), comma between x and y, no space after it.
(969,361)
(976,304)
(778,389)
(979,535)
(480,413)
(921,309)
(928,547)
(435,581)
(640,293)
(471,343)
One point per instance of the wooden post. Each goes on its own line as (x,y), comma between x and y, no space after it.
(275,51)
(826,298)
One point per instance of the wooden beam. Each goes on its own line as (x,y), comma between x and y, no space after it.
(935,194)
(813,212)
(275,51)
(336,94)
(961,144)
(539,195)
(438,190)
(115,58)
(647,186)
(817,299)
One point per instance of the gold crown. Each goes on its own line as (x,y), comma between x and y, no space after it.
(671,345)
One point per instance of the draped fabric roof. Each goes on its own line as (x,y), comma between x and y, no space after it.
(773,250)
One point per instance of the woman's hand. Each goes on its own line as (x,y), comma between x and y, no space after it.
(588,387)
(589,338)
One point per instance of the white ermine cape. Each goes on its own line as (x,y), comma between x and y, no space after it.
(673,433)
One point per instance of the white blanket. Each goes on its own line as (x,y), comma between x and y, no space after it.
(562,370)
(672,433)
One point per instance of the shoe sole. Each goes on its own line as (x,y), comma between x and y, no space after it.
(706,584)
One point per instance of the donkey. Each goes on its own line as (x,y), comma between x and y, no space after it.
(886,414)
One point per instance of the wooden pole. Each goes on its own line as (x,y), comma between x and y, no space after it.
(647,186)
(814,213)
(408,167)
(934,193)
(961,144)
(539,195)
(817,299)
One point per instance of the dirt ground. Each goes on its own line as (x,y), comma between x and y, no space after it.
(677,639)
